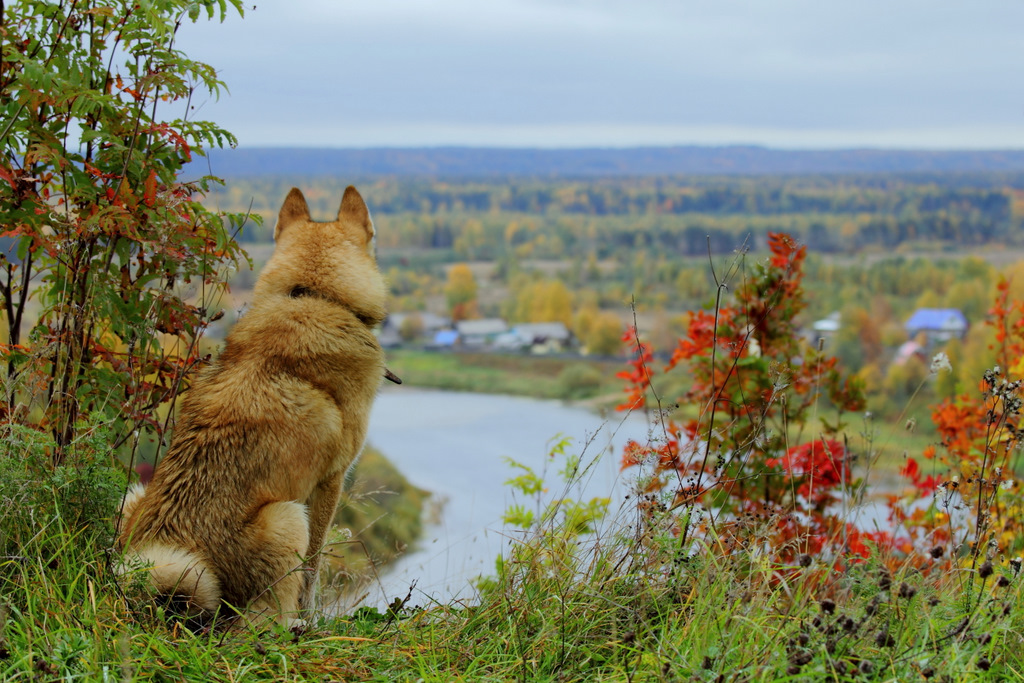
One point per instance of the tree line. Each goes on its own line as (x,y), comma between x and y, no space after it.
(556,218)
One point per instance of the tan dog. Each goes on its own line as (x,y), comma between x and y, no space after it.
(237,511)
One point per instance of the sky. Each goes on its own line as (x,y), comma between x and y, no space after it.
(794,74)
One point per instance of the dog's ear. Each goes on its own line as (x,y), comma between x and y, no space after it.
(294,209)
(353,208)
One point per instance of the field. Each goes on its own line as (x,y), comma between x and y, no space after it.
(523,375)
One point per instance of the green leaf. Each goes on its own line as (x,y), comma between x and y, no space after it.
(519,516)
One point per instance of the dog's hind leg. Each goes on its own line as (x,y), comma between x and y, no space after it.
(279,542)
(322,506)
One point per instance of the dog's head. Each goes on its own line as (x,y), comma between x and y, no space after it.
(334,261)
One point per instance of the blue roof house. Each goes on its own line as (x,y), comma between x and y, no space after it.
(445,339)
(938,324)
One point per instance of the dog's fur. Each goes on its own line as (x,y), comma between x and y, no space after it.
(237,511)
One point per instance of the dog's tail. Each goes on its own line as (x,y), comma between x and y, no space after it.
(128,503)
(178,576)
(181,578)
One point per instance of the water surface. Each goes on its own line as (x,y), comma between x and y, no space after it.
(453,444)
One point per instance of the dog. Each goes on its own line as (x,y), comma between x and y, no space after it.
(237,511)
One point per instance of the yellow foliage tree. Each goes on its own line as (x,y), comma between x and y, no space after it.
(471,239)
(544,301)
(604,335)
(461,292)
(511,233)
(584,321)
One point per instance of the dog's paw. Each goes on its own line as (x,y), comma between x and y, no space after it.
(296,626)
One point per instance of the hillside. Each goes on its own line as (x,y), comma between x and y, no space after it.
(464,162)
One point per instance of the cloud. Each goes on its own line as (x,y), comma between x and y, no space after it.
(412,67)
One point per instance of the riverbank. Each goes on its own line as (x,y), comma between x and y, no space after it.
(546,377)
(381,514)
(592,384)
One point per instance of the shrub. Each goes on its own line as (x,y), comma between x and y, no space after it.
(50,514)
(756,385)
(579,381)
(122,260)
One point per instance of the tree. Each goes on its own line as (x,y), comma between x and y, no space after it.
(543,301)
(461,291)
(470,239)
(866,326)
(977,455)
(604,335)
(411,328)
(124,261)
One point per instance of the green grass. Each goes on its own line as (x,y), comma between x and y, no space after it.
(517,374)
(564,608)
(575,598)
(571,601)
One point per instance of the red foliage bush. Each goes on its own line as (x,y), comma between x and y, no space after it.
(755,388)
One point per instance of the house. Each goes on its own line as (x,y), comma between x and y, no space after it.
(444,339)
(424,324)
(820,331)
(388,337)
(827,326)
(937,324)
(480,333)
(553,337)
(907,350)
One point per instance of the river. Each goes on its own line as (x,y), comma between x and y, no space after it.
(454,444)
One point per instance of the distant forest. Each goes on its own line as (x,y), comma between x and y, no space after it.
(563,218)
(882,244)
(469,162)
